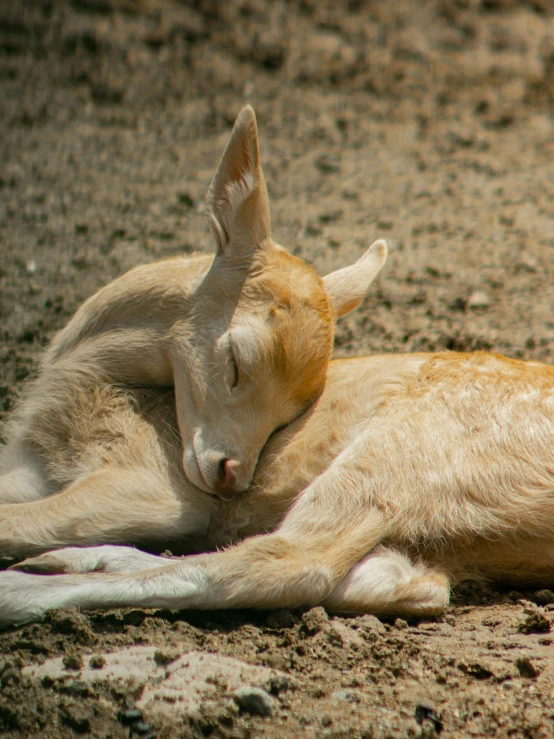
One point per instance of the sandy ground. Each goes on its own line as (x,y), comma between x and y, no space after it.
(428,123)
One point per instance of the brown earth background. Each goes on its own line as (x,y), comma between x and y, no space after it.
(428,123)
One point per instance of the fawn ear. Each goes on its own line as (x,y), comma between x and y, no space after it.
(237,202)
(347,287)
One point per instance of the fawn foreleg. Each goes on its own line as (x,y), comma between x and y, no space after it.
(386,582)
(110,505)
(80,560)
(263,572)
(383,582)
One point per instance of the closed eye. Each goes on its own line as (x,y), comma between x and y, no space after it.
(292,420)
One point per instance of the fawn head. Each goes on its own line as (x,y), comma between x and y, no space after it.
(254,353)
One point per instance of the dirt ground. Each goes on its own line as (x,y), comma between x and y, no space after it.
(428,123)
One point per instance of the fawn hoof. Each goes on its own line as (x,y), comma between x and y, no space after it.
(43,565)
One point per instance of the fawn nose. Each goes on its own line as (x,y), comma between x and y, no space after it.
(227,478)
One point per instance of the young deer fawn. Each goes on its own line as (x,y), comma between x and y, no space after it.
(409,473)
(244,338)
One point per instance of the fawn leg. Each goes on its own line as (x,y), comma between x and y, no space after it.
(104,558)
(386,582)
(383,582)
(110,505)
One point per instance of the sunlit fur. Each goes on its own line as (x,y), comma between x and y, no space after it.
(79,438)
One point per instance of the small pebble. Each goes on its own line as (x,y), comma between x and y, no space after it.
(73,662)
(345,696)
(315,620)
(536,622)
(164,657)
(97,662)
(544,597)
(478,300)
(277,684)
(526,668)
(130,715)
(527,263)
(254,700)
